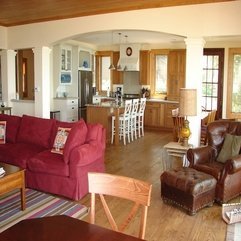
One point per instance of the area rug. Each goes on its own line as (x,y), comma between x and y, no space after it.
(38,204)
(233,232)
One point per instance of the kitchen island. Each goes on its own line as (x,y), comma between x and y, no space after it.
(102,113)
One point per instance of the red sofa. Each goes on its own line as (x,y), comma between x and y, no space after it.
(29,141)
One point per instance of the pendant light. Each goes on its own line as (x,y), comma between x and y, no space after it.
(112,67)
(119,68)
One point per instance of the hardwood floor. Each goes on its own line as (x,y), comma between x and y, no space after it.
(142,159)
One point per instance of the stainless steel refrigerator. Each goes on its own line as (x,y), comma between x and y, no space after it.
(85,91)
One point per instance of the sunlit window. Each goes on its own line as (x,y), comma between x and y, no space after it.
(105,73)
(161,74)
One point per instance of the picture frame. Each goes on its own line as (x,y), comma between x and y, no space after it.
(65,78)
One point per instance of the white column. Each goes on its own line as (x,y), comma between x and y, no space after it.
(8,73)
(194,56)
(42,81)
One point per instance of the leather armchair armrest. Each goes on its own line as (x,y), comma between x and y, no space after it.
(233,165)
(200,155)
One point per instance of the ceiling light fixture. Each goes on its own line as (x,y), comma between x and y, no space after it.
(112,67)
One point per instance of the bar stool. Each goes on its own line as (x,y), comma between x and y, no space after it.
(124,123)
(140,117)
(133,123)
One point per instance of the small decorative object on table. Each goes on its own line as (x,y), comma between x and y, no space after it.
(2,172)
(231,213)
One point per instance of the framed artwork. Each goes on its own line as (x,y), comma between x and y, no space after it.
(65,78)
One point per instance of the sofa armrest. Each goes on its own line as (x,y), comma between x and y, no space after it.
(85,154)
(200,155)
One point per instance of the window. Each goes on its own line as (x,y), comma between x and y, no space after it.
(234,84)
(159,61)
(103,74)
(212,80)
(161,74)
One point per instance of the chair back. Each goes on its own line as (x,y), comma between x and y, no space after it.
(139,192)
(135,103)
(142,106)
(177,127)
(128,107)
(211,116)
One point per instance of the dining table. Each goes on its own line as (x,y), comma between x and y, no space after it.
(61,228)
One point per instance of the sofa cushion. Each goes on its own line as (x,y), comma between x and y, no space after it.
(13,123)
(94,132)
(60,124)
(34,130)
(48,163)
(3,132)
(230,148)
(76,137)
(60,140)
(18,153)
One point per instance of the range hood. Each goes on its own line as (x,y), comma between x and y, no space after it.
(129,57)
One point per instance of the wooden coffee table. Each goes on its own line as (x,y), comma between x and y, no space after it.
(56,228)
(13,179)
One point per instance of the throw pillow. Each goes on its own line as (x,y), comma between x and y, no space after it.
(60,140)
(3,132)
(230,148)
(77,137)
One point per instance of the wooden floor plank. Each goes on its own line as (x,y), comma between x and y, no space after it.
(142,159)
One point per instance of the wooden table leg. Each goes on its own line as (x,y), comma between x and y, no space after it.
(117,113)
(22,191)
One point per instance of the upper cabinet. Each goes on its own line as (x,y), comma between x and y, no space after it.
(176,73)
(85,60)
(145,67)
(66,59)
(117,76)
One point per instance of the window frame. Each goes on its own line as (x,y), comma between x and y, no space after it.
(229,113)
(153,54)
(98,56)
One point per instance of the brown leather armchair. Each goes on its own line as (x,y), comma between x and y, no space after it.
(204,159)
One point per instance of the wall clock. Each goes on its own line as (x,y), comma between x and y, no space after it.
(129,51)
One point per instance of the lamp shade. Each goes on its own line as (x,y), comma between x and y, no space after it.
(188,102)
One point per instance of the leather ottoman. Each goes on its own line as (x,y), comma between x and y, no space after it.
(188,188)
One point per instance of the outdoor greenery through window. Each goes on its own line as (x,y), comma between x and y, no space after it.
(210,82)
(161,74)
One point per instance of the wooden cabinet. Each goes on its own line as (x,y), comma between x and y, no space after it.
(145,67)
(68,108)
(154,114)
(117,76)
(176,73)
(159,114)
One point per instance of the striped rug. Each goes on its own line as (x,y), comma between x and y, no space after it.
(38,204)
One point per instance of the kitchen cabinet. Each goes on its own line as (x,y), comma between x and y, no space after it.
(68,108)
(176,73)
(66,59)
(159,114)
(144,67)
(117,76)
(154,114)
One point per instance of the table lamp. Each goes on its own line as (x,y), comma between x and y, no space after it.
(187,107)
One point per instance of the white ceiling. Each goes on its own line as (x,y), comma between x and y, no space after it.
(107,38)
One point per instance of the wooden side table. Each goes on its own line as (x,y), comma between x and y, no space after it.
(175,149)
(4,110)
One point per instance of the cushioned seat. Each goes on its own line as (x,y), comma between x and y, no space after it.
(188,188)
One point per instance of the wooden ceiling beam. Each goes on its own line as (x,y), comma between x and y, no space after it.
(15,12)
